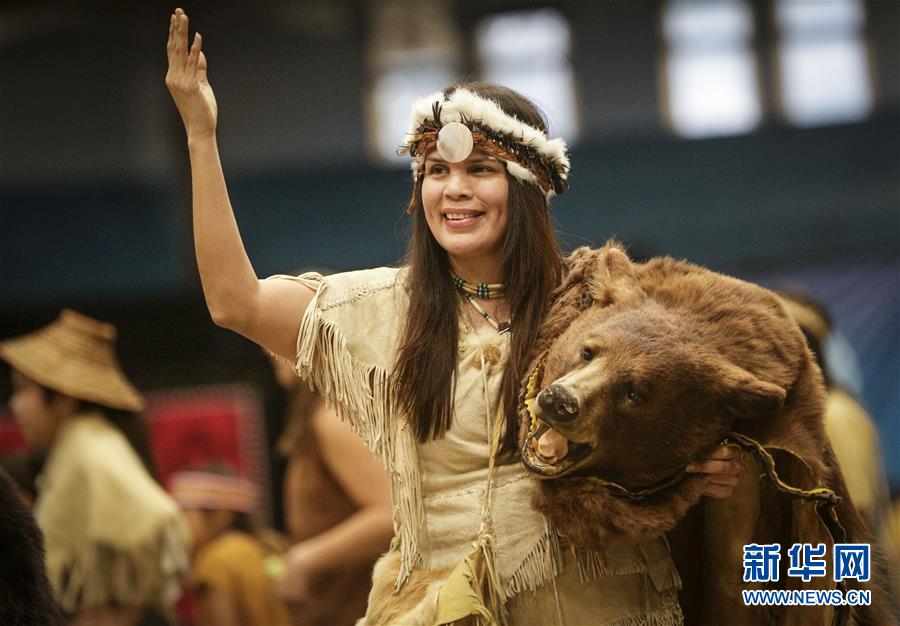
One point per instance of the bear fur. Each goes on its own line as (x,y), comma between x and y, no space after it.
(648,368)
(26,598)
(415,606)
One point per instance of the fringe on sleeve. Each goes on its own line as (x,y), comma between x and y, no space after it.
(361,393)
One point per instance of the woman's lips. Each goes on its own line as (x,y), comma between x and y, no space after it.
(462,219)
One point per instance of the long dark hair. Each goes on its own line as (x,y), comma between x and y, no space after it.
(424,381)
(132,425)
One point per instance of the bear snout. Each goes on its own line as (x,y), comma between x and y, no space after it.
(557,404)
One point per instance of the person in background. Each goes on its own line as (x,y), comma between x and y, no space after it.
(229,582)
(852,432)
(115,541)
(337,507)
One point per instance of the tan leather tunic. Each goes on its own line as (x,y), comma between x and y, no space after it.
(346,348)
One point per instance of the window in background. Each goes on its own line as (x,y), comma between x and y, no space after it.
(529,51)
(710,71)
(823,66)
(413,51)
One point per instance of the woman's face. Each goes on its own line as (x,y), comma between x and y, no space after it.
(466,209)
(206,525)
(37,412)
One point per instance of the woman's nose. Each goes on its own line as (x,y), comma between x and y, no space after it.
(458,185)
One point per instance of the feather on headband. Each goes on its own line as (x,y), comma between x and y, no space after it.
(462,121)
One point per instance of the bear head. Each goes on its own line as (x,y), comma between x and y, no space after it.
(633,391)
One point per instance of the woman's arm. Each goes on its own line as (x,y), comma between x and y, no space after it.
(361,537)
(267,312)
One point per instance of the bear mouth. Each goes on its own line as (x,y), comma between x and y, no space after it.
(547,453)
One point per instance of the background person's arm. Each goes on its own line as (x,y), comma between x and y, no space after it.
(359,538)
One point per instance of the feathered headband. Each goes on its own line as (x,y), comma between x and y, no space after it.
(462,121)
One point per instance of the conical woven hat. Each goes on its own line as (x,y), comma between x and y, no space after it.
(74,355)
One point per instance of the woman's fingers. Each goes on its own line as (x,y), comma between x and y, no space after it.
(714,467)
(724,480)
(201,68)
(182,32)
(183,60)
(194,57)
(186,78)
(721,471)
(177,44)
(718,491)
(726,452)
(170,44)
(174,66)
(723,460)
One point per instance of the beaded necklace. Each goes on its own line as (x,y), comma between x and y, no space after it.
(484,291)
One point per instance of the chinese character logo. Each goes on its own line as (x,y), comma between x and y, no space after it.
(761,562)
(851,560)
(807,561)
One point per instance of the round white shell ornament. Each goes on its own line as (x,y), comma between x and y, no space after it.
(454,142)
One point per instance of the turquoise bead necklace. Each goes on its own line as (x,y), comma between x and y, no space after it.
(484,291)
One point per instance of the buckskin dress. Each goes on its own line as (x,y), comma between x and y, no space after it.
(346,347)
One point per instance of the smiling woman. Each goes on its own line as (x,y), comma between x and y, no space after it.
(465,207)
(425,360)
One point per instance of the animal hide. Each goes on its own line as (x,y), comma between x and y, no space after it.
(415,604)
(25,594)
(642,369)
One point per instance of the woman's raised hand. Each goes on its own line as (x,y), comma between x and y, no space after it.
(186,79)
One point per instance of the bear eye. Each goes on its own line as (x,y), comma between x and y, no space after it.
(587,354)
(633,395)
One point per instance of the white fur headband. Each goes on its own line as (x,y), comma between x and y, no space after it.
(530,156)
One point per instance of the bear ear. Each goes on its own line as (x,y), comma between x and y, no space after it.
(615,262)
(613,273)
(743,394)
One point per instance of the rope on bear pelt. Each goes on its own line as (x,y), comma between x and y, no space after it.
(825,497)
(826,500)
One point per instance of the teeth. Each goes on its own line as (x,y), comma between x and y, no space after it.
(459,216)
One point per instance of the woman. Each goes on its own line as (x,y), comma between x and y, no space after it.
(229,582)
(432,392)
(99,509)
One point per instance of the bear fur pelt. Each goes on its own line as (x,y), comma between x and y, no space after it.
(643,368)
(25,595)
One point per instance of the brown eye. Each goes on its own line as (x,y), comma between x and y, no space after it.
(587,354)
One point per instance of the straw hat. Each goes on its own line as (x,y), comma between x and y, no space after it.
(74,355)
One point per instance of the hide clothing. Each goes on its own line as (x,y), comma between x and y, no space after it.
(347,350)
